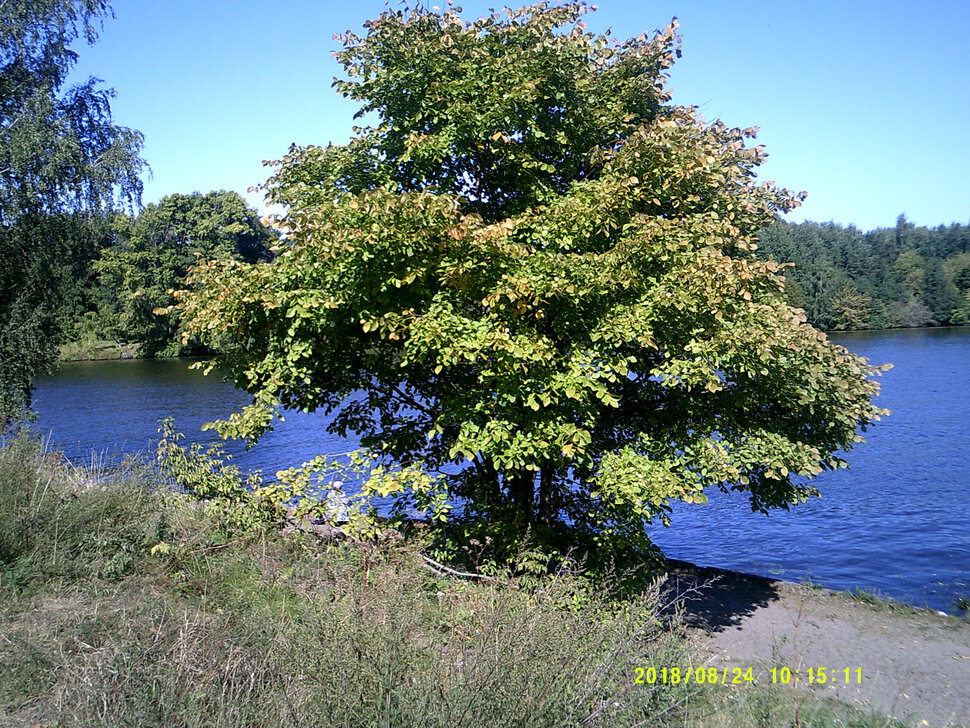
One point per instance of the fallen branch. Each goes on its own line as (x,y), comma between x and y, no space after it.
(440,569)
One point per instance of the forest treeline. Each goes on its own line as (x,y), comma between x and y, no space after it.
(903,276)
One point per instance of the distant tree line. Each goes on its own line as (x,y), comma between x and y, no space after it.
(122,267)
(903,276)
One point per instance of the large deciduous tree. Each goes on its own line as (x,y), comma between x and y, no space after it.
(151,256)
(535,274)
(61,158)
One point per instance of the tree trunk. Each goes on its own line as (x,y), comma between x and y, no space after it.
(522,486)
(493,492)
(545,493)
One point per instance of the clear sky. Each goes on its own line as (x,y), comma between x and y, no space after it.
(863,103)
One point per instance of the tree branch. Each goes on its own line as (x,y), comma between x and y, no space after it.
(440,569)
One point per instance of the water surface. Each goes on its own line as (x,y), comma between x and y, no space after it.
(898,521)
(112,408)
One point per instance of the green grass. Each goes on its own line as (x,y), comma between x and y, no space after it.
(122,604)
(882,603)
(97,349)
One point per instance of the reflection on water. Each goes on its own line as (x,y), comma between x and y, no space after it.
(897,522)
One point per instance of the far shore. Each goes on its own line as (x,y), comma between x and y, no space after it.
(103,350)
(98,351)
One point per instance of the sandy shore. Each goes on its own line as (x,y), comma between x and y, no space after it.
(915,664)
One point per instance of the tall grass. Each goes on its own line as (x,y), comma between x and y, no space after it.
(58,521)
(124,605)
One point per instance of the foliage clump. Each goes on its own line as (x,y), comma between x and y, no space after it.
(249,502)
(535,276)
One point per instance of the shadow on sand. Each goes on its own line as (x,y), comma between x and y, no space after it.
(714,599)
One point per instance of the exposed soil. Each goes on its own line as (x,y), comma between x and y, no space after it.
(915,663)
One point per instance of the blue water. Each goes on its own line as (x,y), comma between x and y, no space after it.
(897,522)
(112,408)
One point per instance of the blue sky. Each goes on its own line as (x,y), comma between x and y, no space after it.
(864,104)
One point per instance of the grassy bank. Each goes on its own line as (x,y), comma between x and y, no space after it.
(122,604)
(97,350)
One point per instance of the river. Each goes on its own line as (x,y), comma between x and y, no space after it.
(897,523)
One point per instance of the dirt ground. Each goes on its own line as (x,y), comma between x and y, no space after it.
(915,663)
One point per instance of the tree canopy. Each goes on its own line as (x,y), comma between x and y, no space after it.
(535,276)
(61,160)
